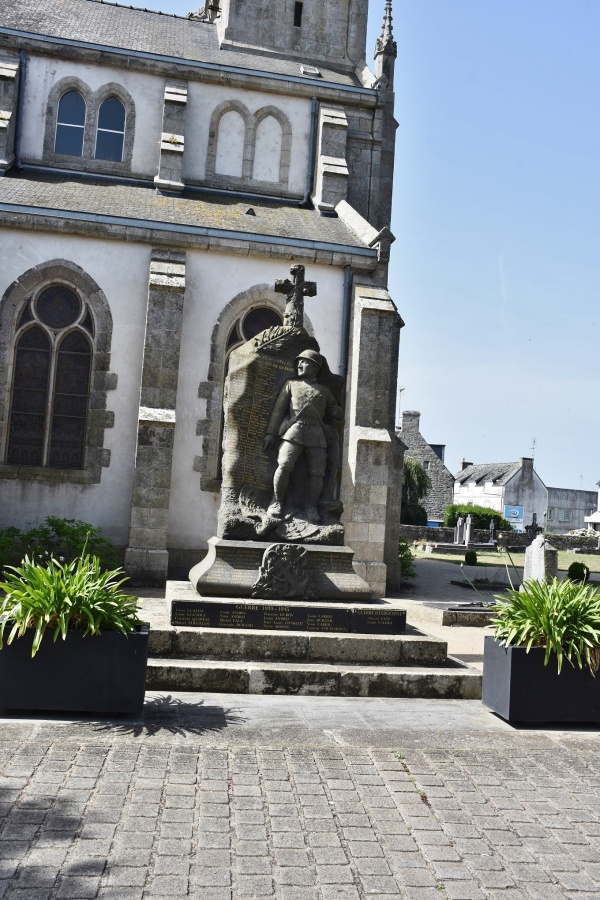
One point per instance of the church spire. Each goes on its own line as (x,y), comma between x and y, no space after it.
(386,41)
(386,48)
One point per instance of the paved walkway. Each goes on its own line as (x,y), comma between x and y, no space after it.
(235,797)
(223,797)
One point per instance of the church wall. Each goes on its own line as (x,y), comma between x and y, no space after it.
(211,283)
(203,99)
(121,272)
(146,91)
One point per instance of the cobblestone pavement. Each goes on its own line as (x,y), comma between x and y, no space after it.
(233,797)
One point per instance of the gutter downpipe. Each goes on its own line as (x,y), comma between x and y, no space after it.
(344,351)
(306,202)
(20,103)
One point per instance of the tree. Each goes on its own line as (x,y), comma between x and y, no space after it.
(415,484)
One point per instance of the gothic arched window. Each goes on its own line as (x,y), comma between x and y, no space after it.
(252,323)
(51,380)
(111,130)
(70,124)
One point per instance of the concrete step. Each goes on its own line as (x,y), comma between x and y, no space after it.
(411,649)
(437,612)
(200,675)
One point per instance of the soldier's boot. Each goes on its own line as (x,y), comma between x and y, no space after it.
(315,488)
(280,483)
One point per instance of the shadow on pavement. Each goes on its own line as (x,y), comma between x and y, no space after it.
(161,714)
(171,715)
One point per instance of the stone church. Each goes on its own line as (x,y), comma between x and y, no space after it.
(160,173)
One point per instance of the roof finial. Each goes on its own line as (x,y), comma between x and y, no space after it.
(386,42)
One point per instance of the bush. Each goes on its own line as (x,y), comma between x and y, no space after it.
(413,514)
(578,572)
(407,564)
(63,597)
(61,538)
(482,516)
(562,616)
(470,558)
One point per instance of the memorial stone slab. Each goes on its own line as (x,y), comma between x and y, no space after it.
(291,616)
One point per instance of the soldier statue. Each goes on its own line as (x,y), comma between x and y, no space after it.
(304,418)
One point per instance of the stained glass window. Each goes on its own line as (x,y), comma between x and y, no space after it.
(51,381)
(70,124)
(69,412)
(256,320)
(30,395)
(111,130)
(58,307)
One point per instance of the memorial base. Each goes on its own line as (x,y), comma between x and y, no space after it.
(259,570)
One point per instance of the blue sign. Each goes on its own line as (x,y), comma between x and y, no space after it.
(516,516)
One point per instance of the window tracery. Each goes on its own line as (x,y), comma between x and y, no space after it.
(55,337)
(51,379)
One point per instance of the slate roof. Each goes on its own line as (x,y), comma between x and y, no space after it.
(125,28)
(497,473)
(83,195)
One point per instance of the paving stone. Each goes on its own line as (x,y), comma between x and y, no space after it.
(255,886)
(462,890)
(253,865)
(78,888)
(335,874)
(379,885)
(339,892)
(171,865)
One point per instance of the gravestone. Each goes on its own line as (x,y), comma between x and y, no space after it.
(459,531)
(469,531)
(279,531)
(541,561)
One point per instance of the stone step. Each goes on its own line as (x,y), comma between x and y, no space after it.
(218,676)
(440,614)
(411,649)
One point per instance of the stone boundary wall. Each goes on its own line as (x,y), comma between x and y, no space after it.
(572,541)
(515,539)
(441,535)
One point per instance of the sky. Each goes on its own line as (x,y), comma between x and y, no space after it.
(496,265)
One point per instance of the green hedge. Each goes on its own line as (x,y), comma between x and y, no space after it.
(64,539)
(482,516)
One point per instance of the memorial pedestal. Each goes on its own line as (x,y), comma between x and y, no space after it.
(260,570)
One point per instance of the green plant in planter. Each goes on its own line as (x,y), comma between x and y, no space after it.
(561,616)
(65,596)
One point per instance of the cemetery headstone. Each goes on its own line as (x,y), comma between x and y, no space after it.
(541,561)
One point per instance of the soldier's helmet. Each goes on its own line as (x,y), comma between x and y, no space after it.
(312,355)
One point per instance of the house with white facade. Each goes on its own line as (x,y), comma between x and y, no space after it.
(517,492)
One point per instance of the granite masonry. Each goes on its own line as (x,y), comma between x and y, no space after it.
(167,170)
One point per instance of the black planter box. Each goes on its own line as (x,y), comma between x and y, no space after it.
(520,688)
(98,674)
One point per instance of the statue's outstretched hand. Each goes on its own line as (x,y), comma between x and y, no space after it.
(269,442)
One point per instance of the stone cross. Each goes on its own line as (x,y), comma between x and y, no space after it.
(296,291)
